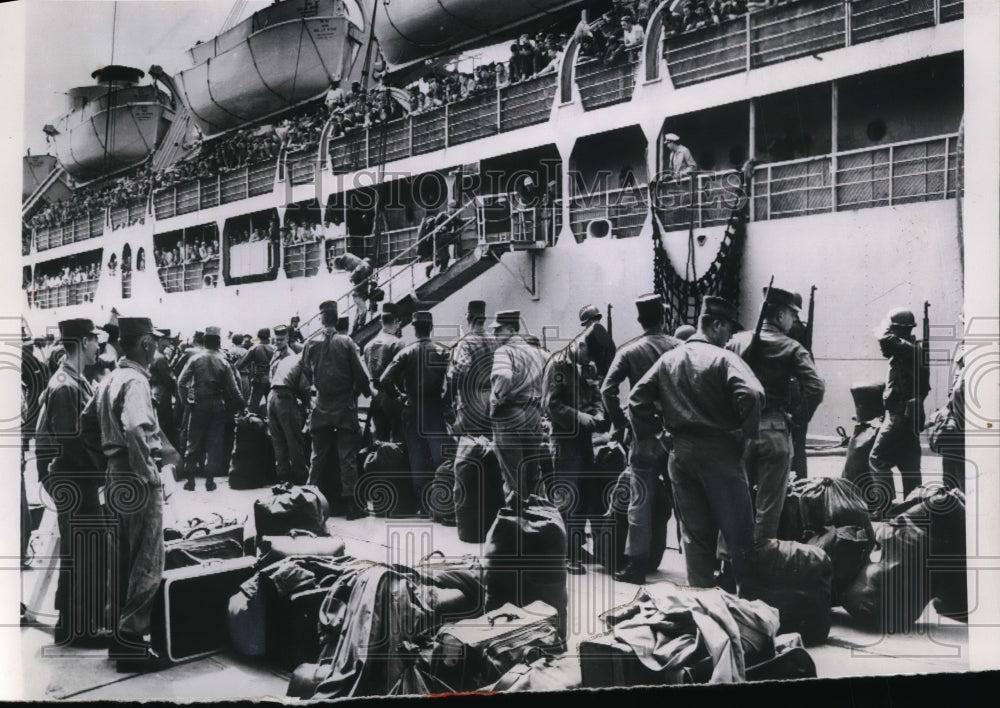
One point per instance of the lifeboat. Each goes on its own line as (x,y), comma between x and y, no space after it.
(409,31)
(281,56)
(110,126)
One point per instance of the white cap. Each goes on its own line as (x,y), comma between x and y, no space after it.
(672,137)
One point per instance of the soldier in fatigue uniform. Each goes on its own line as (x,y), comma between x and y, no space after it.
(898,440)
(573,403)
(288,397)
(800,468)
(164,386)
(516,383)
(710,402)
(599,342)
(416,375)
(257,363)
(68,459)
(207,384)
(332,364)
(647,457)
(778,359)
(387,424)
(235,353)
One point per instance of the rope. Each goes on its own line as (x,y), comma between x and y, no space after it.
(683,295)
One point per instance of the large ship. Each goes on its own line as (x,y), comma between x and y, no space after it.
(820,162)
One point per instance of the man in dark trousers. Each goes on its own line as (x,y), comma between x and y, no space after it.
(898,441)
(130,439)
(164,386)
(332,363)
(468,378)
(257,363)
(416,376)
(208,384)
(573,403)
(647,457)
(516,383)
(800,466)
(598,341)
(70,469)
(385,414)
(776,359)
(288,398)
(710,402)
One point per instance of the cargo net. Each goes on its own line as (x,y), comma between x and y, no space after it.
(683,295)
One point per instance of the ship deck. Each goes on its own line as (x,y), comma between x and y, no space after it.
(936,645)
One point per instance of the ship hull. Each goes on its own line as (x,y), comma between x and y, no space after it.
(267,71)
(117,131)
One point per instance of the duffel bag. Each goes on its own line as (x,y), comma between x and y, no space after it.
(849,548)
(941,511)
(548,673)
(815,503)
(891,593)
(525,557)
(297,543)
(291,507)
(252,464)
(385,481)
(247,619)
(478,490)
(795,579)
(439,494)
(869,400)
(465,574)
(474,653)
(857,469)
(790,661)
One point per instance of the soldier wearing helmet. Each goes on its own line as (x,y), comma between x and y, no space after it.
(898,441)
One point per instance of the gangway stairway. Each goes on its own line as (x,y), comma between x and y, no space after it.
(490,246)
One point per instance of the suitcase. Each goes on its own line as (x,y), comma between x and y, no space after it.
(203,542)
(298,543)
(293,627)
(190,611)
(474,653)
(465,575)
(548,673)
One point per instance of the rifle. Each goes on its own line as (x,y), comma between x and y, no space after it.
(611,323)
(925,354)
(808,338)
(751,352)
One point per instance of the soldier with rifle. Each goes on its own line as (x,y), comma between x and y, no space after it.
(776,359)
(803,334)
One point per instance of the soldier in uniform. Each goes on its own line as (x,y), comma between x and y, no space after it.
(775,360)
(647,457)
(130,439)
(800,467)
(207,384)
(710,403)
(70,470)
(387,424)
(286,401)
(416,375)
(164,386)
(898,441)
(598,341)
(257,363)
(516,382)
(332,364)
(235,354)
(573,403)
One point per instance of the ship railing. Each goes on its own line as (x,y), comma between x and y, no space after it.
(900,173)
(393,275)
(64,295)
(303,260)
(126,214)
(82,228)
(701,199)
(183,277)
(615,213)
(789,31)
(605,85)
(481,115)
(506,220)
(222,188)
(301,165)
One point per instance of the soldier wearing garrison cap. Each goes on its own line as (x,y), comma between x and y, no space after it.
(647,458)
(286,404)
(516,383)
(208,384)
(468,378)
(898,441)
(416,376)
(709,400)
(384,411)
(332,363)
(130,439)
(68,459)
(776,360)
(598,341)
